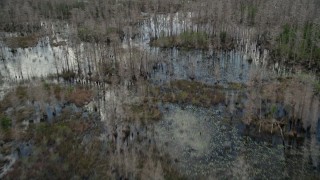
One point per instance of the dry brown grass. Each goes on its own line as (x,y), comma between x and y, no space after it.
(80,96)
(192,92)
(25,113)
(144,111)
(22,41)
(296,95)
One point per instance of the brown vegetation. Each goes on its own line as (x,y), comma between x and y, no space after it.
(144,112)
(22,41)
(79,97)
(295,95)
(191,92)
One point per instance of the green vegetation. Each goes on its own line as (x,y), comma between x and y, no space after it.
(192,92)
(248,13)
(58,149)
(223,37)
(181,92)
(252,11)
(286,39)
(236,86)
(46,85)
(6,122)
(67,75)
(186,40)
(300,45)
(195,40)
(273,110)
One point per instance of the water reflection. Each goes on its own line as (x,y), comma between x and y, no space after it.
(201,142)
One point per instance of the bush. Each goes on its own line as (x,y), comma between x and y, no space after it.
(198,39)
(223,37)
(68,75)
(5,123)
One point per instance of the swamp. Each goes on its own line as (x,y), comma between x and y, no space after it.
(170,89)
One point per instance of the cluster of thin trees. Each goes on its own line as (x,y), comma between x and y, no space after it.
(289,28)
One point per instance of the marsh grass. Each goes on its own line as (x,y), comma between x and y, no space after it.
(89,34)
(192,92)
(236,86)
(186,40)
(80,96)
(145,112)
(22,41)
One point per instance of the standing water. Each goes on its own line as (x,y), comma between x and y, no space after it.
(205,142)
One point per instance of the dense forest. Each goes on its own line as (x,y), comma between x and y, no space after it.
(150,89)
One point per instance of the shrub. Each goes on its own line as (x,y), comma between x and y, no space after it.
(223,37)
(5,122)
(68,75)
